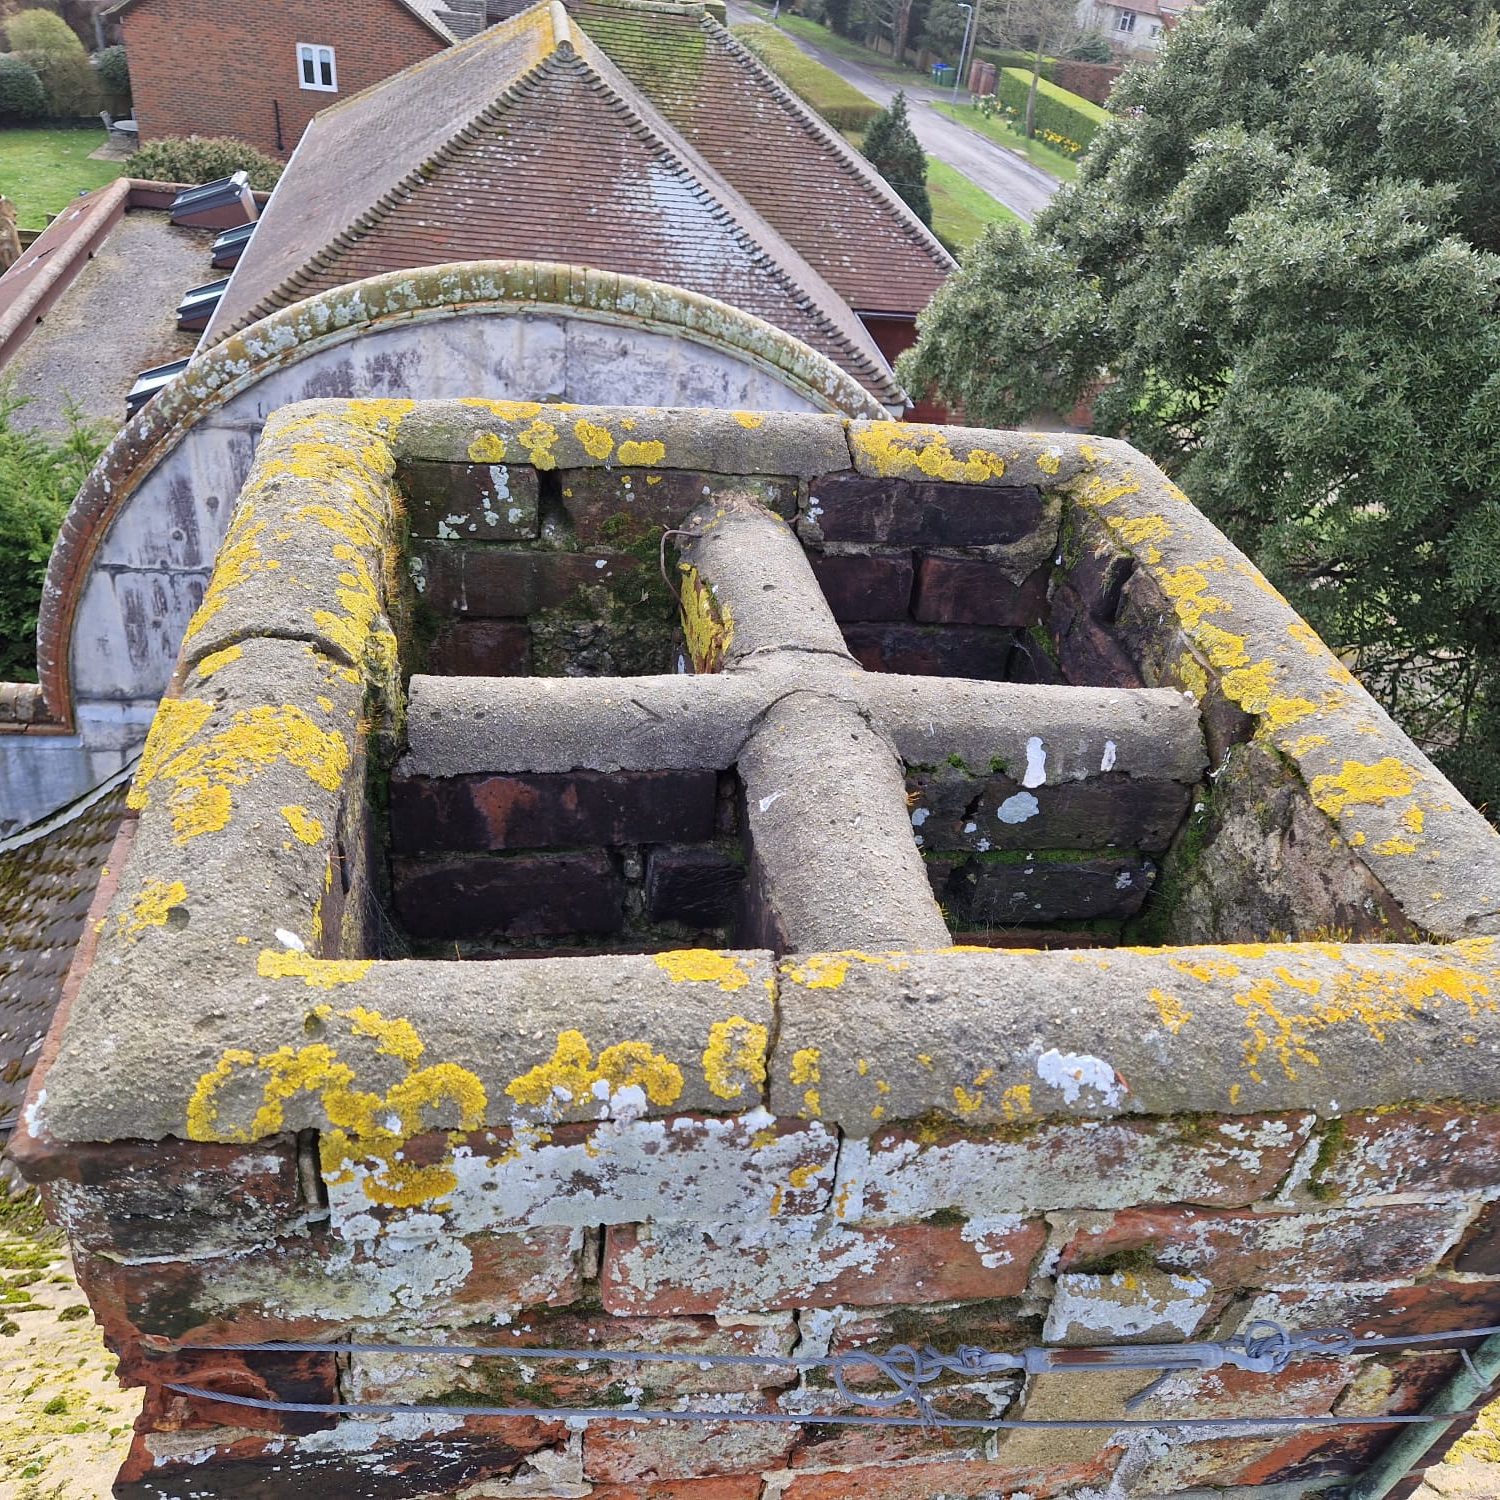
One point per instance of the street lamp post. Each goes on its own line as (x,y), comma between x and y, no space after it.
(968,11)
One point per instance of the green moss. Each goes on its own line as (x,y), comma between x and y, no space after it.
(958,763)
(997,766)
(1140,1257)
(1155,926)
(55,1407)
(1331,1145)
(74,1314)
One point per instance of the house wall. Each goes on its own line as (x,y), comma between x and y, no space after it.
(199,68)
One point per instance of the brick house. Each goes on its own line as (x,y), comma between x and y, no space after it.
(260,71)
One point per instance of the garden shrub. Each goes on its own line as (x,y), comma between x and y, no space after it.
(114,72)
(47,44)
(39,475)
(22,96)
(1011,57)
(196,159)
(840,103)
(1064,121)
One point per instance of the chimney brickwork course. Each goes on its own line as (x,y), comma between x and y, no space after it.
(767,889)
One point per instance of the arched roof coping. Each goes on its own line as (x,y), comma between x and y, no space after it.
(459,289)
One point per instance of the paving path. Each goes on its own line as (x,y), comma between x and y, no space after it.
(1012,179)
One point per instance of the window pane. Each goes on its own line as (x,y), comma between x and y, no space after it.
(325,62)
(305,57)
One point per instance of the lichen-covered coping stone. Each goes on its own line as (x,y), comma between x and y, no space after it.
(211,1011)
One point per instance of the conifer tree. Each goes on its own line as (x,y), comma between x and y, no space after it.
(894,151)
(1278,273)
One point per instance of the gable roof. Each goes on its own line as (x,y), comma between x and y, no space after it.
(526,142)
(426,11)
(799,172)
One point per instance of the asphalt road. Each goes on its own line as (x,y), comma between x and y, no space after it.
(1012,179)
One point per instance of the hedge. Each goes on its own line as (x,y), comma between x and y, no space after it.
(202,159)
(840,103)
(1010,57)
(1062,120)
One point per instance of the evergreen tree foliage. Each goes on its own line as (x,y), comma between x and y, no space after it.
(46,43)
(114,71)
(39,476)
(894,151)
(1278,268)
(21,94)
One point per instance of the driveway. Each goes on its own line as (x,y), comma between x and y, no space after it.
(1021,187)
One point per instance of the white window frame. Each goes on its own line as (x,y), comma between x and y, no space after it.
(315,54)
(1125,21)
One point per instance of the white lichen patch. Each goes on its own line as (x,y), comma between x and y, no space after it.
(1036,762)
(1070,1073)
(1101,1309)
(1018,808)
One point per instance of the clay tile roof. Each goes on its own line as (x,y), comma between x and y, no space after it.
(426,11)
(801,174)
(527,143)
(47,878)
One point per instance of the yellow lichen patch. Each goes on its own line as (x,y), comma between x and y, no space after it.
(965,1103)
(316,973)
(1192,674)
(507,411)
(360,632)
(802,1177)
(1015,1102)
(239,558)
(828,971)
(639,453)
(1305,743)
(365,1126)
(177,721)
(1205,970)
(598,442)
(1097,493)
(1139,531)
(150,908)
(216,659)
(1413,819)
(1174,1014)
(1395,845)
(203,771)
(750,419)
(487,448)
(538,440)
(569,1075)
(707,626)
(703,966)
(806,1073)
(735,1058)
(904,449)
(1049,461)
(302,823)
(1356,784)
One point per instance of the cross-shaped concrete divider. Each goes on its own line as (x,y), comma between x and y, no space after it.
(820,745)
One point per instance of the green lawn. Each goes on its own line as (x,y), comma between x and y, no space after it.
(40,170)
(1064,168)
(959,209)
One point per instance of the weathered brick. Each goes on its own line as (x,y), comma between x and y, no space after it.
(1097,576)
(480,648)
(302,1378)
(853,508)
(1129,1307)
(470,502)
(399,1379)
(932,650)
(699,886)
(1429,1307)
(959,810)
(1088,652)
(692,1168)
(683,1269)
(642,1452)
(1433,1150)
(309,1288)
(969,1478)
(1100,1164)
(509,583)
(1479,1254)
(622,505)
(579,809)
(865,586)
(977,591)
(152,1198)
(1277,1249)
(723,1487)
(1015,888)
(521,895)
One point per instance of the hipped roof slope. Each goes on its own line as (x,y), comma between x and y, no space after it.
(797,171)
(527,142)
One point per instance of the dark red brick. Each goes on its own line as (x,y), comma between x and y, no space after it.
(721,1487)
(470,502)
(977,591)
(1087,652)
(698,886)
(1096,578)
(578,809)
(1387,1312)
(518,896)
(306,1379)
(933,650)
(622,505)
(854,508)
(1479,1254)
(1433,1150)
(967,1478)
(508,583)
(481,648)
(634,1453)
(984,891)
(865,586)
